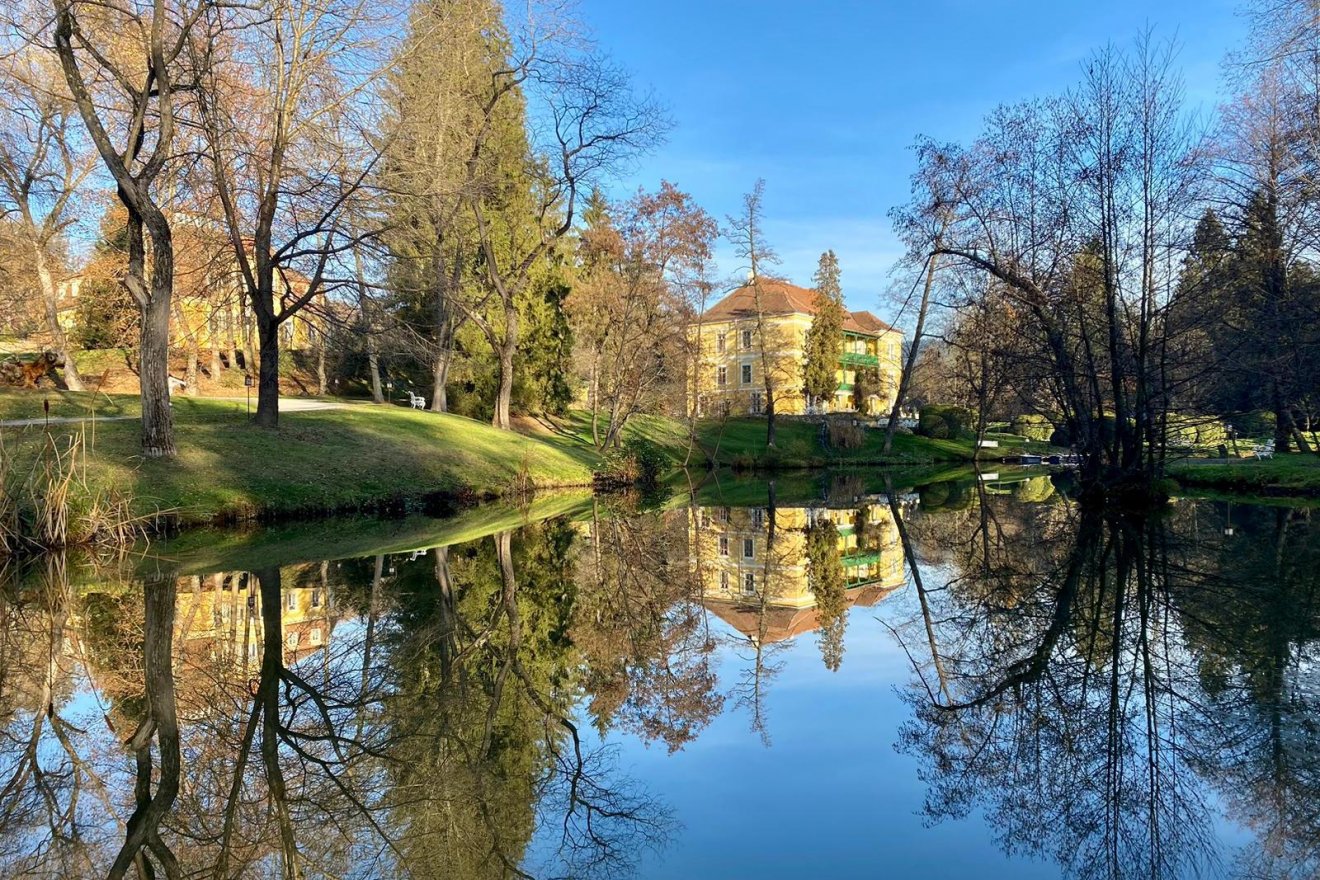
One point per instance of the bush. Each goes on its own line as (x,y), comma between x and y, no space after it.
(1033,490)
(637,462)
(1254,424)
(1032,426)
(942,422)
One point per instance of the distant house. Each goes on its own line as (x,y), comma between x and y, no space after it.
(734,357)
(210,309)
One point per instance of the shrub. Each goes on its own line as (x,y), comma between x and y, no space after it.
(1033,489)
(1254,424)
(1032,426)
(637,462)
(935,428)
(955,420)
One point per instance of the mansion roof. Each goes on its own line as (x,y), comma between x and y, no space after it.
(779,297)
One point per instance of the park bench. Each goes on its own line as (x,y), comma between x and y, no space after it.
(416,401)
(1264,450)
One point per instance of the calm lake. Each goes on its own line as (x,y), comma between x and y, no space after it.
(828,676)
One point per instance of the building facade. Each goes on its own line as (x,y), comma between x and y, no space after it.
(738,343)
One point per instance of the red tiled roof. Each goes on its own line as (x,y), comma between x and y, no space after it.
(779,297)
(782,623)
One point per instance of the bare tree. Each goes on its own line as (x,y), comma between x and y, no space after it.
(128,73)
(284,111)
(745,231)
(43,165)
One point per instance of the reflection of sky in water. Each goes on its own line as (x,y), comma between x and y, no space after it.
(831,796)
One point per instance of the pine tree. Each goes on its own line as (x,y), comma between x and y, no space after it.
(824,341)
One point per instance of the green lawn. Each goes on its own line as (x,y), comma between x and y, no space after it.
(1294,473)
(331,460)
(741,443)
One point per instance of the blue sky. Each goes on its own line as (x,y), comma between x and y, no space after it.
(824,99)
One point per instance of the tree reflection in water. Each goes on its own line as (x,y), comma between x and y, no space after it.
(1095,682)
(374,718)
(1104,688)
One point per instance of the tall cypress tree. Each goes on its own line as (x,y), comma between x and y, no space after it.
(824,343)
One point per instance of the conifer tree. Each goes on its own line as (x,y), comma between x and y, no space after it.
(824,341)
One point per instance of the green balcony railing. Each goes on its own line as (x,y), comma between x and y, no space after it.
(853,359)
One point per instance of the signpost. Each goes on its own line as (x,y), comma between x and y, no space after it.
(247,387)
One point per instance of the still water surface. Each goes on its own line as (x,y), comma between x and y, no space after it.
(752,681)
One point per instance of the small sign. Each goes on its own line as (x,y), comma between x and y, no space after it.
(248,380)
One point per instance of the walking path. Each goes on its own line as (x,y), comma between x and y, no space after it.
(287,405)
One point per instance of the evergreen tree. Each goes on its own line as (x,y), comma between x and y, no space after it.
(824,341)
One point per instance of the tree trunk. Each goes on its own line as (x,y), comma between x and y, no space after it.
(439,377)
(322,380)
(192,352)
(58,341)
(905,375)
(213,340)
(373,367)
(505,350)
(153,371)
(249,349)
(268,378)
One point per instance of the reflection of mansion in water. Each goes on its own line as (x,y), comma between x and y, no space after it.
(218,617)
(762,590)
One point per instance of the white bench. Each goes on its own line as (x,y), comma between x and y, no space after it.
(1264,450)
(416,401)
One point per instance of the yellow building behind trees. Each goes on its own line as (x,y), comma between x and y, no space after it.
(738,343)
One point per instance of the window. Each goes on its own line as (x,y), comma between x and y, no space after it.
(725,513)
(315,635)
(719,343)
(705,518)
(724,545)
(758,517)
(749,583)
(316,598)
(724,581)
(758,404)
(291,601)
(292,641)
(746,339)
(721,376)
(749,548)
(747,374)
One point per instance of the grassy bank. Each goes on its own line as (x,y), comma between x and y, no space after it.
(356,457)
(1288,474)
(741,443)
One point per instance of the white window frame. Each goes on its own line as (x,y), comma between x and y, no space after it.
(721,376)
(719,344)
(746,338)
(745,373)
(724,545)
(749,583)
(749,548)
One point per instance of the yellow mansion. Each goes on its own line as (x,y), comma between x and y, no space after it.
(734,357)
(766,592)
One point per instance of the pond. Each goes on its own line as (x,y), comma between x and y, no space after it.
(833,675)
